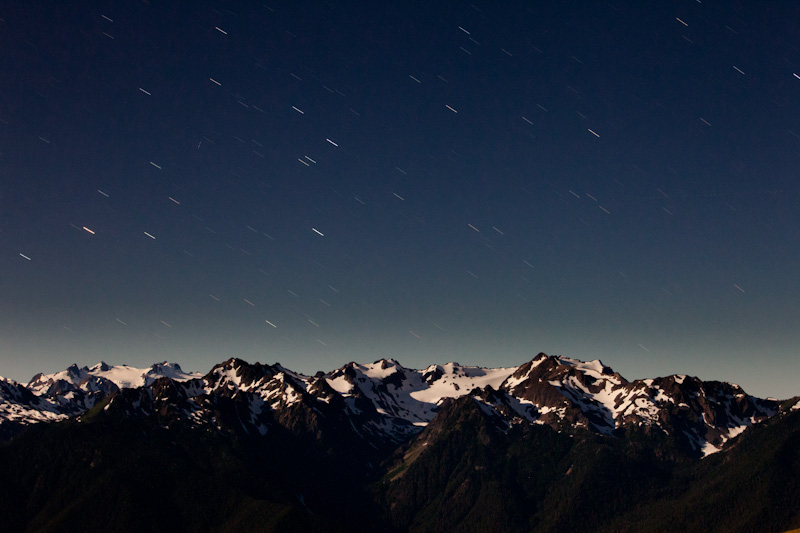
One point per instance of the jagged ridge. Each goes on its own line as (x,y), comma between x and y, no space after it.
(385,404)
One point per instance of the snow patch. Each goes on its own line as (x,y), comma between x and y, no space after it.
(340,384)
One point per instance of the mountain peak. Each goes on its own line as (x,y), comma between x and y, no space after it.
(99,367)
(73,370)
(595,365)
(382,368)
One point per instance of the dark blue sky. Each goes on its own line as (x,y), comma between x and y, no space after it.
(314,183)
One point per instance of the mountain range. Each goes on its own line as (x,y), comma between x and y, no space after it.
(555,444)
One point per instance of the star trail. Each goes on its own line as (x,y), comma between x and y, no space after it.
(320,182)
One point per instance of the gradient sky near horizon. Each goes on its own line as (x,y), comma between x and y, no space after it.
(319,182)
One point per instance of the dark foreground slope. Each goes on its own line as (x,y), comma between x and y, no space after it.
(137,475)
(468,472)
(754,485)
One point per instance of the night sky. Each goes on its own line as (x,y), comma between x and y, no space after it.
(321,182)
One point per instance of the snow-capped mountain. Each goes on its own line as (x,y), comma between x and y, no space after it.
(385,403)
(51,397)
(19,404)
(555,390)
(121,376)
